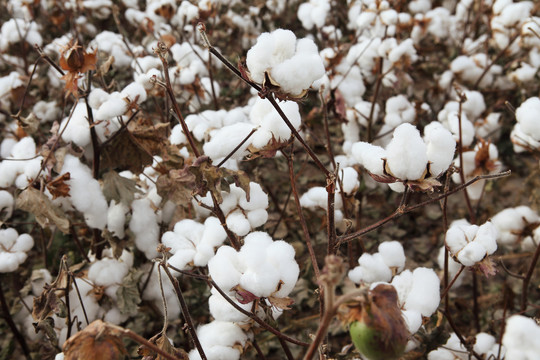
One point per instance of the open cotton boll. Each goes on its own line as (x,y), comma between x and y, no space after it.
(440,147)
(392,254)
(13,249)
(451,121)
(112,107)
(270,123)
(313,13)
(424,293)
(293,64)
(453,267)
(406,154)
(116,218)
(85,193)
(134,92)
(413,319)
(74,128)
(144,225)
(470,244)
(113,44)
(399,110)
(225,268)
(527,115)
(257,198)
(97,97)
(349,180)
(110,272)
(369,156)
(521,338)
(6,204)
(372,268)
(221,310)
(220,340)
(511,223)
(15,30)
(452,350)
(20,172)
(223,141)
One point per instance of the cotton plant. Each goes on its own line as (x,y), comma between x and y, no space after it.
(485,345)
(526,132)
(13,249)
(22,163)
(192,243)
(220,340)
(508,19)
(518,226)
(409,159)
(388,261)
(263,269)
(481,160)
(471,245)
(282,60)
(242,214)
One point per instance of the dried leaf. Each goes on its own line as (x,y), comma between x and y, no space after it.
(47,326)
(96,338)
(176,186)
(46,213)
(151,138)
(58,186)
(124,153)
(387,179)
(47,303)
(283,303)
(118,188)
(243,296)
(128,297)
(163,343)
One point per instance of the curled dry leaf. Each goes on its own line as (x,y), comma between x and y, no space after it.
(58,186)
(75,60)
(46,213)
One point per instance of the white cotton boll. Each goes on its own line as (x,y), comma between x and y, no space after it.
(349,180)
(281,255)
(419,6)
(261,280)
(440,147)
(399,110)
(269,50)
(85,193)
(177,136)
(403,283)
(74,128)
(257,217)
(484,343)
(405,48)
(113,107)
(475,105)
(467,127)
(392,254)
(521,338)
(373,269)
(220,340)
(352,88)
(406,153)
(314,197)
(224,268)
(145,226)
(527,115)
(270,123)
(237,223)
(116,218)
(486,236)
(472,253)
(226,139)
(369,156)
(97,97)
(413,319)
(222,310)
(6,204)
(453,267)
(258,198)
(424,293)
(524,74)
(134,91)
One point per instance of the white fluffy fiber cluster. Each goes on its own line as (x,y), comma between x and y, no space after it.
(526,132)
(242,215)
(220,340)
(6,204)
(270,124)
(18,172)
(313,13)
(521,338)
(419,295)
(511,224)
(485,345)
(469,244)
(381,266)
(145,227)
(193,243)
(109,272)
(262,266)
(16,30)
(293,64)
(13,249)
(85,192)
(189,64)
(375,18)
(407,155)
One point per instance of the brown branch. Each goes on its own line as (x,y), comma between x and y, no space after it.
(527,280)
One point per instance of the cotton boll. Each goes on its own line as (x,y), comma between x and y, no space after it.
(222,310)
(403,283)
(97,97)
(113,107)
(511,222)
(373,269)
(521,338)
(392,254)
(424,294)
(85,192)
(472,253)
(6,204)
(257,217)
(116,219)
(527,115)
(224,268)
(314,197)
(440,147)
(369,156)
(258,198)
(237,222)
(281,255)
(413,319)
(399,110)
(219,340)
(226,139)
(453,267)
(484,343)
(486,236)
(270,124)
(145,226)
(406,153)
(349,180)
(134,92)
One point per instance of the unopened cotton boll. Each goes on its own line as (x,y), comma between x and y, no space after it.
(406,154)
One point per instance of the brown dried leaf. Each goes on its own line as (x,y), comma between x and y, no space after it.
(151,138)
(244,296)
(118,188)
(176,186)
(46,213)
(58,186)
(283,303)
(123,152)
(96,338)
